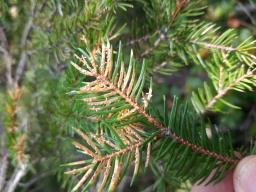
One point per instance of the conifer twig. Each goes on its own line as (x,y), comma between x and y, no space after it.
(164,131)
(214,46)
(162,36)
(221,92)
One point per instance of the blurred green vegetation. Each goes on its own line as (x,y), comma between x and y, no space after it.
(50,113)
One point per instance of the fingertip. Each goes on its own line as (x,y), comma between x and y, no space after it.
(225,185)
(245,175)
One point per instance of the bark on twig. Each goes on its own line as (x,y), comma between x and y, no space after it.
(19,172)
(7,59)
(3,169)
(23,55)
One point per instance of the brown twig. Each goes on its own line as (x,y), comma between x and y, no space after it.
(140,39)
(213,46)
(120,152)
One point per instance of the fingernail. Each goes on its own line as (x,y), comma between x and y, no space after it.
(245,175)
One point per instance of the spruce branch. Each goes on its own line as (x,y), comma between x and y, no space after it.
(110,162)
(113,87)
(186,43)
(107,84)
(180,4)
(221,92)
(228,67)
(207,35)
(239,79)
(113,94)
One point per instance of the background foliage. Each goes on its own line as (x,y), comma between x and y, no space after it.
(38,41)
